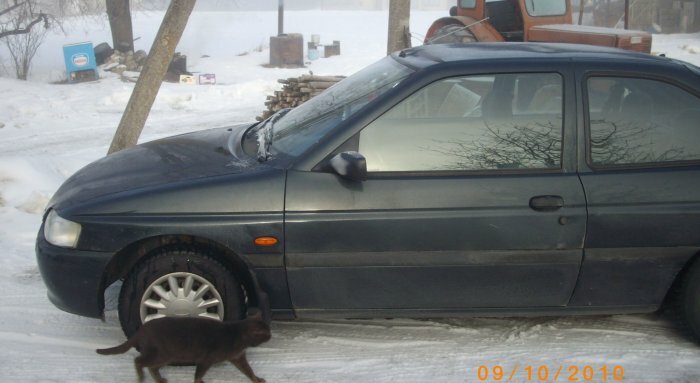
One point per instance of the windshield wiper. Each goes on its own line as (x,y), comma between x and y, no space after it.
(265,133)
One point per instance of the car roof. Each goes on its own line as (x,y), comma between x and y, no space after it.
(427,55)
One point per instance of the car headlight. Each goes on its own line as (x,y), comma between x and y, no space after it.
(61,232)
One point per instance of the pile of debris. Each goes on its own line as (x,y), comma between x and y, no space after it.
(129,64)
(120,62)
(296,91)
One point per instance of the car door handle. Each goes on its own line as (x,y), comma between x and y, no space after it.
(546,203)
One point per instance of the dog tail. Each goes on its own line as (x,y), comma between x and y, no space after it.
(122,348)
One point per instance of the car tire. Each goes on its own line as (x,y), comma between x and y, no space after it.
(179,282)
(688,301)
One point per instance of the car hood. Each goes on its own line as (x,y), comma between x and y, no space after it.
(188,156)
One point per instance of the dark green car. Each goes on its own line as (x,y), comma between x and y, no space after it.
(445,180)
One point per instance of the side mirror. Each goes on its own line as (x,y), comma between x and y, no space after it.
(349,165)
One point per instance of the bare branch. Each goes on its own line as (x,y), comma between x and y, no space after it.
(20,31)
(12,8)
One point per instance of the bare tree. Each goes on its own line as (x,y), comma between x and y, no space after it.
(119,16)
(539,146)
(399,20)
(151,77)
(22,48)
(20,17)
(22,29)
(24,24)
(514,146)
(81,8)
(630,142)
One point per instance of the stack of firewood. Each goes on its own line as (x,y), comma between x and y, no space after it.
(296,91)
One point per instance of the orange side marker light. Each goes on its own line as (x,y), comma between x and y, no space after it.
(266,241)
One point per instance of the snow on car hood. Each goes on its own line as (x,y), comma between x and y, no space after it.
(188,156)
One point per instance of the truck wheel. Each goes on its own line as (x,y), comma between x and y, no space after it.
(179,282)
(452,33)
(688,301)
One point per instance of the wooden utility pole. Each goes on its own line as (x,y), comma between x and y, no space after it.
(151,77)
(580,12)
(399,20)
(280,17)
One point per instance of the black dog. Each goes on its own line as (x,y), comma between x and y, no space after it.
(198,341)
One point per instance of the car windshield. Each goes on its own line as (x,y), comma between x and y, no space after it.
(306,124)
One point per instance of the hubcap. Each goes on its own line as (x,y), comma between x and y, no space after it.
(181,294)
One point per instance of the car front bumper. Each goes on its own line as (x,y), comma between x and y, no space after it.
(73,277)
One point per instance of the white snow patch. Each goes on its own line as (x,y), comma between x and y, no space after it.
(691,48)
(34,204)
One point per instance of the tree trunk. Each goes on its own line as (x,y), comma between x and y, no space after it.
(399,18)
(120,23)
(151,77)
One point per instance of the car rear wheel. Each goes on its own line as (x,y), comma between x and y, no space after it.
(688,301)
(179,282)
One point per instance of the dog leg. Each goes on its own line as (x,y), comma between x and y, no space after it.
(155,373)
(139,369)
(200,371)
(149,358)
(242,364)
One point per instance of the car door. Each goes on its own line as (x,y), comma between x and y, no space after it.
(471,202)
(640,167)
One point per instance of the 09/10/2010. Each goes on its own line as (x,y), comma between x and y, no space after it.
(544,373)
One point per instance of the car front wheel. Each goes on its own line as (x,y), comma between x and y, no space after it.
(179,282)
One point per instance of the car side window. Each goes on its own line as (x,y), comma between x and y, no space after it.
(638,121)
(471,123)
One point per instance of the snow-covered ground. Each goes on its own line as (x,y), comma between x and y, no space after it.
(49,131)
